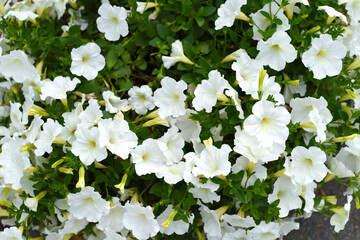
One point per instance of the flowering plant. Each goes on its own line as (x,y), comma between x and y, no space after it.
(124,119)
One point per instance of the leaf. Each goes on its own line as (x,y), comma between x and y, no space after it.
(208,10)
(162,31)
(265,14)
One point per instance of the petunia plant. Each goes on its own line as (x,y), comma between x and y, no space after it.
(186,119)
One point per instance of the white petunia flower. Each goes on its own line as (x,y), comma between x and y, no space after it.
(287,193)
(114,219)
(13,162)
(15,117)
(17,65)
(73,225)
(112,21)
(207,92)
(172,174)
(177,55)
(306,165)
(213,161)
(171,144)
(301,108)
(12,233)
(289,7)
(147,157)
(228,12)
(170,98)
(258,172)
(349,156)
(237,221)
(291,89)
(324,58)
(112,102)
(91,115)
(211,221)
(351,39)
(262,22)
(247,72)
(341,215)
(353,9)
(141,99)
(189,128)
(117,137)
(333,13)
(179,227)
(51,129)
(87,61)
(268,123)
(250,147)
(57,89)
(313,115)
(276,51)
(87,146)
(143,6)
(265,231)
(141,221)
(270,88)
(88,204)
(22,12)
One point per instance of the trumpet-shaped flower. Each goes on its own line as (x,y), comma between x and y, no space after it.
(141,99)
(207,92)
(262,22)
(88,204)
(177,55)
(22,12)
(114,219)
(301,108)
(87,61)
(141,221)
(117,137)
(268,123)
(211,222)
(172,174)
(87,146)
(341,215)
(306,165)
(91,115)
(205,191)
(213,162)
(353,9)
(265,231)
(72,225)
(179,227)
(12,233)
(13,162)
(112,21)
(287,193)
(57,89)
(17,65)
(247,72)
(170,98)
(51,129)
(112,102)
(276,51)
(148,157)
(324,58)
(171,144)
(250,147)
(228,12)
(333,13)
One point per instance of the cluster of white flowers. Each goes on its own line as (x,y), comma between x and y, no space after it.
(260,137)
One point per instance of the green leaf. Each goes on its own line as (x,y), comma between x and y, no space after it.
(162,31)
(208,10)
